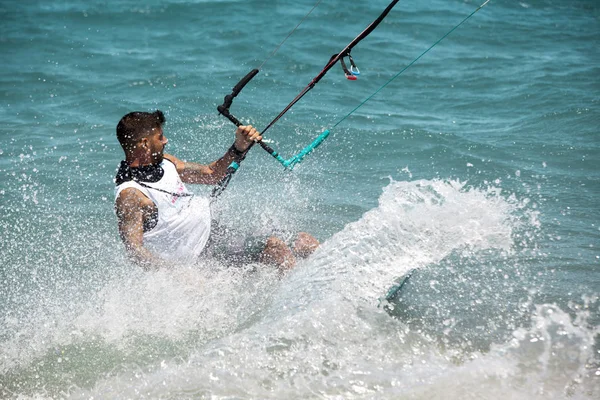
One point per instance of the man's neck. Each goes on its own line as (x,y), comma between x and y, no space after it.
(137,162)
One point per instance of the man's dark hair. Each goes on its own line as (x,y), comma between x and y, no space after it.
(138,125)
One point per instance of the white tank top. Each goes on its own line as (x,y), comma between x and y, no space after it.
(183,225)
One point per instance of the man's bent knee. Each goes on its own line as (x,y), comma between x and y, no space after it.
(278,253)
(305,245)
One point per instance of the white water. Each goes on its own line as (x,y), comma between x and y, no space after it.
(209,331)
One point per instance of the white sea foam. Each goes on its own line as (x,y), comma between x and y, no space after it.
(318,332)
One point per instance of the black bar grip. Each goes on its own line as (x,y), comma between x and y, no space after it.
(225,112)
(224,108)
(267,147)
(240,85)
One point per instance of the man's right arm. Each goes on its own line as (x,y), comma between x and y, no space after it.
(132,207)
(212,173)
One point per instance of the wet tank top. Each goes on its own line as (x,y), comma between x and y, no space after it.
(183,224)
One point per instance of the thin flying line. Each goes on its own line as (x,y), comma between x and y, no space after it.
(289,34)
(409,65)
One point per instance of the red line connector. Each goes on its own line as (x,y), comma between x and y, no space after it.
(353,72)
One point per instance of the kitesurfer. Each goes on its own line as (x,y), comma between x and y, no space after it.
(159,220)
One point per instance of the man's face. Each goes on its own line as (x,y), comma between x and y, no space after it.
(156,143)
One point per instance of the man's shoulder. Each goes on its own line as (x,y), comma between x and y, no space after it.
(179,165)
(131,196)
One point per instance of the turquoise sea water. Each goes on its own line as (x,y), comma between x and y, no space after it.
(478,169)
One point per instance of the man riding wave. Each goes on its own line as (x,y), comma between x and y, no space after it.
(159,220)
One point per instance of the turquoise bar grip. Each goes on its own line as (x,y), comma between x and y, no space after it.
(290,163)
(279,158)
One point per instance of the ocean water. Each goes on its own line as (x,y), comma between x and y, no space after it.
(478,169)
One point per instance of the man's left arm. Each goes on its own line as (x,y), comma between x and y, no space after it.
(212,173)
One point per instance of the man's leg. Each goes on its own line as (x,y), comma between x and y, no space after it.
(305,245)
(278,253)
